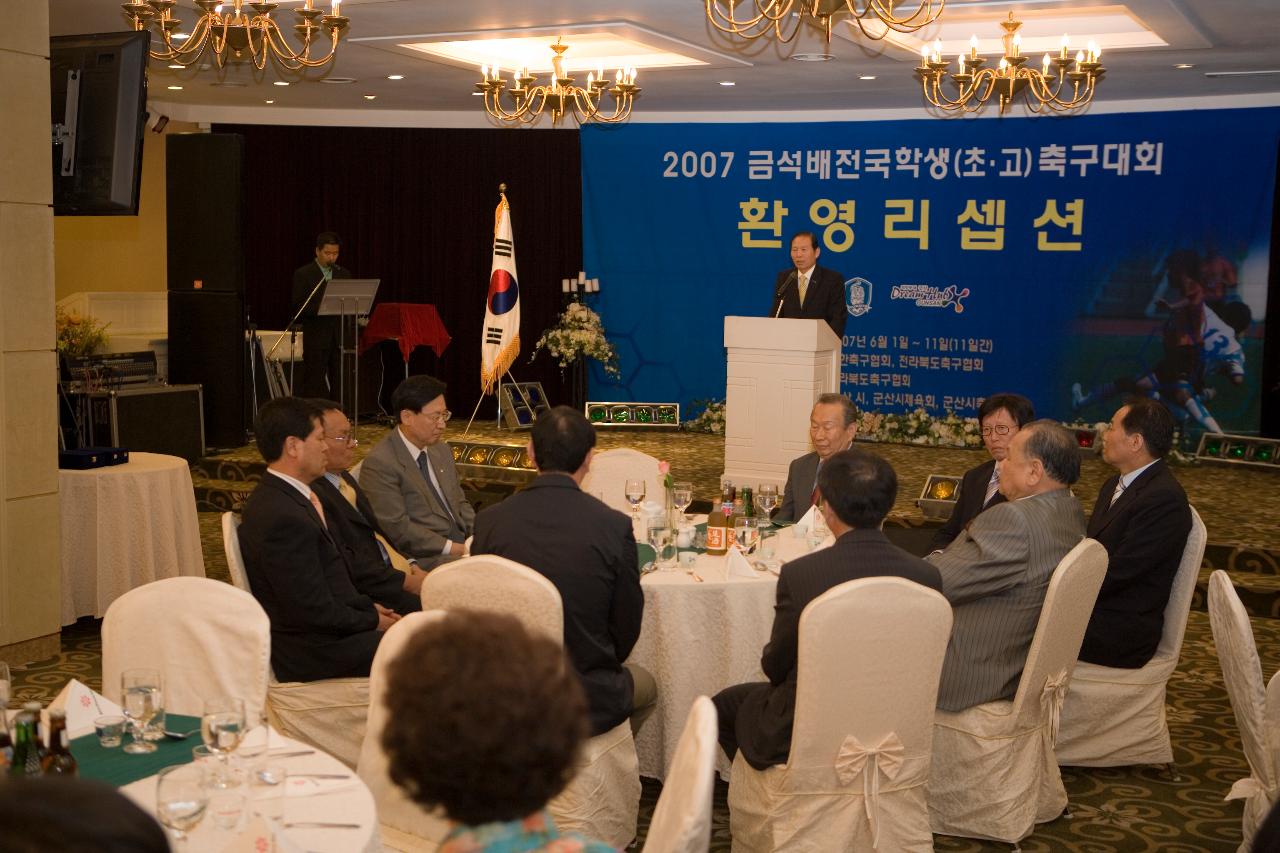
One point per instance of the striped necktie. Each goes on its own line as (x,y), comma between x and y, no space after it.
(424,465)
(1115,496)
(802,286)
(993,486)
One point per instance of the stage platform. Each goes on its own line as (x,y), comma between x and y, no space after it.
(1240,505)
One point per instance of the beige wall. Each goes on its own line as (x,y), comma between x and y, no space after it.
(105,253)
(30,577)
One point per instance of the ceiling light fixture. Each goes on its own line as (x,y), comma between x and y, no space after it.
(812,57)
(281,83)
(268,101)
(175,88)
(229,34)
(867,77)
(1043,88)
(528,101)
(395,76)
(783,19)
(727,83)
(370,97)
(1184,65)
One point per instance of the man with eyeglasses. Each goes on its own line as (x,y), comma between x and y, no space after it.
(1001,416)
(412,482)
(377,570)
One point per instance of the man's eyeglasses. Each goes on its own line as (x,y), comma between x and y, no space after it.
(999,429)
(441,417)
(348,440)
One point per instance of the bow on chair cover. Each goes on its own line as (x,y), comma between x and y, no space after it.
(1052,696)
(886,757)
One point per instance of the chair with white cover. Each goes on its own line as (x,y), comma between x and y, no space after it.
(682,818)
(206,638)
(329,714)
(610,470)
(405,825)
(869,660)
(994,772)
(1116,717)
(603,800)
(1257,710)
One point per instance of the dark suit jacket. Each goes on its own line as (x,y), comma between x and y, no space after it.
(823,299)
(763,724)
(801,475)
(305,277)
(353,528)
(321,627)
(589,552)
(1144,534)
(973,488)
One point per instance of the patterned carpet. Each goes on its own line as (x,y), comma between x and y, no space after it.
(1115,811)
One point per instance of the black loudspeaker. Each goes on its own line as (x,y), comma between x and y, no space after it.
(205,218)
(206,248)
(157,419)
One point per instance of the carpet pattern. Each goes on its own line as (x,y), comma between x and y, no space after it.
(1119,810)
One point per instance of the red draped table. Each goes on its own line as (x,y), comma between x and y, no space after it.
(411,325)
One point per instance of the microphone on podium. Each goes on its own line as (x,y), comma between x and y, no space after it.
(782,289)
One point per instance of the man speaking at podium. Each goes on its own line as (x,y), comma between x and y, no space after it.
(809,292)
(320,357)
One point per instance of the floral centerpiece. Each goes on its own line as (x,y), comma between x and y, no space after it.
(710,419)
(920,427)
(79,336)
(578,334)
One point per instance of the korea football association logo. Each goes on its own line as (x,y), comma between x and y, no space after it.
(857,296)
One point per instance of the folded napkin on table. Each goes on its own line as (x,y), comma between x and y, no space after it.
(737,565)
(83,706)
(805,523)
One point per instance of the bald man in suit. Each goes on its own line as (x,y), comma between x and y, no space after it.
(996,573)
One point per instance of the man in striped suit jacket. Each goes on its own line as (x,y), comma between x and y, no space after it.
(996,573)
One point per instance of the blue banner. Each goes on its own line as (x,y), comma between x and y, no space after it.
(1071,260)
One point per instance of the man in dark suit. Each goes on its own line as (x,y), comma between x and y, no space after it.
(589,552)
(833,425)
(321,627)
(377,570)
(809,292)
(858,489)
(321,361)
(1000,416)
(1142,518)
(996,573)
(412,482)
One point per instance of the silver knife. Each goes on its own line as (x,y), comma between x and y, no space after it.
(320,825)
(319,775)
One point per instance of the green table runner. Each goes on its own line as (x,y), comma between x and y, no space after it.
(119,768)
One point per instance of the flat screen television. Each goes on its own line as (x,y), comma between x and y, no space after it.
(98,88)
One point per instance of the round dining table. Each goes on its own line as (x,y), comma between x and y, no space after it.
(703,630)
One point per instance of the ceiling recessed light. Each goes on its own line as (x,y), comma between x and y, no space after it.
(1184,65)
(370,97)
(338,80)
(175,88)
(395,76)
(268,101)
(231,84)
(812,57)
(281,83)
(867,77)
(177,67)
(727,83)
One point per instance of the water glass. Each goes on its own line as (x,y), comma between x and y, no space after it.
(634,492)
(181,798)
(659,536)
(140,692)
(226,806)
(767,498)
(744,534)
(267,783)
(768,545)
(818,532)
(682,496)
(222,728)
(110,731)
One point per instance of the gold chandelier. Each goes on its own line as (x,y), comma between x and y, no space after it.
(528,102)
(238,30)
(874,17)
(1045,89)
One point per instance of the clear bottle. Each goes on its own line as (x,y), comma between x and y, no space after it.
(59,761)
(717,530)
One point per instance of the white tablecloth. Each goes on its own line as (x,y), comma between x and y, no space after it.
(124,526)
(349,802)
(699,638)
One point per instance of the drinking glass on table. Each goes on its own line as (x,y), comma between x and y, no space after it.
(222,726)
(141,699)
(659,536)
(818,532)
(634,491)
(767,498)
(682,496)
(744,534)
(181,798)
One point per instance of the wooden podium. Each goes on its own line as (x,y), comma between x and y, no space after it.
(776,369)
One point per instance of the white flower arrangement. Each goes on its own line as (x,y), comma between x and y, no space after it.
(920,427)
(710,419)
(578,333)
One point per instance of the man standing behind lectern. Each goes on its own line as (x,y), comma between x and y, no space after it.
(809,292)
(321,361)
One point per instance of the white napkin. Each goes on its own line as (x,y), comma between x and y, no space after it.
(83,706)
(806,521)
(738,566)
(254,838)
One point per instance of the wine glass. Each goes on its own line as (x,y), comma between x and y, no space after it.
(222,727)
(660,540)
(818,532)
(142,700)
(767,498)
(181,798)
(634,491)
(681,497)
